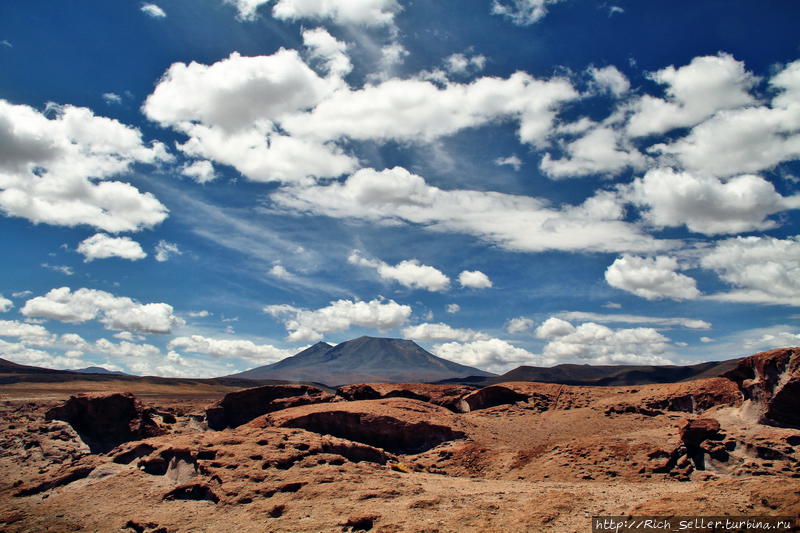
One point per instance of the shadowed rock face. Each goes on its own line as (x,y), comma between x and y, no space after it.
(388,433)
(104,421)
(490,397)
(448,396)
(395,425)
(771,381)
(240,407)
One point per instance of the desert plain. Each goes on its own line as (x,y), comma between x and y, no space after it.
(131,455)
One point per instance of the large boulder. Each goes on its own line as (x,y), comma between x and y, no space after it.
(103,421)
(397,425)
(771,382)
(240,407)
(695,431)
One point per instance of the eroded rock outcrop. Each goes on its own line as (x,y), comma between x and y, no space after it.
(531,395)
(397,425)
(240,407)
(448,396)
(104,421)
(770,381)
(492,396)
(699,439)
(64,476)
(694,396)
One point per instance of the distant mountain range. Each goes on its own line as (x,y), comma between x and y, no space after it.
(372,359)
(11,372)
(97,370)
(605,375)
(363,360)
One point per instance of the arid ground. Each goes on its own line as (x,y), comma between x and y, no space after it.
(396,458)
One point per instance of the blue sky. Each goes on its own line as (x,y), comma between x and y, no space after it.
(194,188)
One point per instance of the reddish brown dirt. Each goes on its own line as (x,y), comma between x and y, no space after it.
(547,460)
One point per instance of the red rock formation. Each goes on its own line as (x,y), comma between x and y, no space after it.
(240,407)
(397,425)
(448,396)
(492,396)
(104,421)
(693,396)
(694,432)
(771,381)
(535,396)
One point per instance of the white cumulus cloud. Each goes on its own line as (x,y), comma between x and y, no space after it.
(115,312)
(554,327)
(519,325)
(125,349)
(460,64)
(705,204)
(327,48)
(762,269)
(229,111)
(746,139)
(32,334)
(409,273)
(441,332)
(520,223)
(598,344)
(229,348)
(356,12)
(305,325)
(651,278)
(600,151)
(418,110)
(22,354)
(102,246)
(494,355)
(200,171)
(128,336)
(5,304)
(609,79)
(474,279)
(694,92)
(55,169)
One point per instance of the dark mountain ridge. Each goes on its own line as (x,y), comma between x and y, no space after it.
(11,372)
(362,360)
(97,370)
(605,375)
